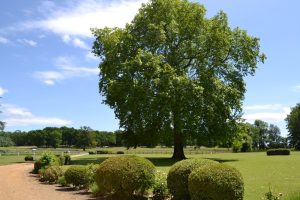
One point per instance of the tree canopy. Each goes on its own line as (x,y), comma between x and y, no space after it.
(293,126)
(174,71)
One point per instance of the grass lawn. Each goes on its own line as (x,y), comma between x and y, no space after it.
(259,171)
(10,159)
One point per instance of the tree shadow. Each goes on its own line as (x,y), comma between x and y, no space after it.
(86,161)
(161,161)
(221,160)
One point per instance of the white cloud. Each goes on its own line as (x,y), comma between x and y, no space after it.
(76,20)
(18,116)
(75,41)
(3,40)
(28,42)
(3,91)
(66,69)
(272,113)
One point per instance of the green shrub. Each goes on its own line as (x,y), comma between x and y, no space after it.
(160,188)
(103,152)
(28,158)
(179,173)
(62,181)
(91,152)
(52,173)
(61,159)
(273,152)
(79,176)
(67,160)
(120,152)
(46,159)
(216,182)
(125,175)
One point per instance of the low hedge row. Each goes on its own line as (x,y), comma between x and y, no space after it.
(273,152)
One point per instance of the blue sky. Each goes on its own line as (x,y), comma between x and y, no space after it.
(48,77)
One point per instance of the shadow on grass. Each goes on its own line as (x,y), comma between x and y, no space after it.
(85,161)
(162,162)
(220,160)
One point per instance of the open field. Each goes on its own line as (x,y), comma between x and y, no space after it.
(281,173)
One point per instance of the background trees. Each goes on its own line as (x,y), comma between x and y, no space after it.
(173,70)
(293,126)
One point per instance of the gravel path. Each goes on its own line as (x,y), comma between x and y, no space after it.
(17,183)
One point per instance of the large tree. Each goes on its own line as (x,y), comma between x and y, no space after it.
(174,70)
(293,126)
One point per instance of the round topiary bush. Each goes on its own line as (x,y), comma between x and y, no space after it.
(79,176)
(52,173)
(216,182)
(179,174)
(122,176)
(28,158)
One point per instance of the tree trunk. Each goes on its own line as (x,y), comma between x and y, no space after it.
(178,152)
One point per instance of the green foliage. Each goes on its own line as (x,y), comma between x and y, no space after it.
(52,173)
(46,159)
(102,152)
(273,152)
(125,175)
(160,188)
(28,158)
(120,152)
(293,126)
(293,196)
(174,70)
(80,176)
(179,174)
(61,159)
(67,160)
(62,181)
(216,182)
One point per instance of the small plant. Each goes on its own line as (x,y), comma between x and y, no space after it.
(91,152)
(160,188)
(120,152)
(46,159)
(28,158)
(103,152)
(61,159)
(270,195)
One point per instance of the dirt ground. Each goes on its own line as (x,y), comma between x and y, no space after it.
(17,183)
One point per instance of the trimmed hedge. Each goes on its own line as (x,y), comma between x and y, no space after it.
(79,176)
(273,152)
(67,160)
(122,176)
(179,173)
(28,158)
(52,173)
(216,182)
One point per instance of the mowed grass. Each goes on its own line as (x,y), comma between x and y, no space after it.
(10,159)
(281,173)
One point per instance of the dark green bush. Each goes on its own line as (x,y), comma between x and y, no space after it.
(122,176)
(273,152)
(46,159)
(79,176)
(67,160)
(216,182)
(52,173)
(28,158)
(103,152)
(120,152)
(91,152)
(62,181)
(179,173)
